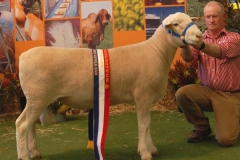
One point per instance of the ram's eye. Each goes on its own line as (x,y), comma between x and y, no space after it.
(175,24)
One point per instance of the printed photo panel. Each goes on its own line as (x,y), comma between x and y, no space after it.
(163,2)
(7,46)
(63,33)
(96,24)
(61,8)
(29,20)
(128,15)
(154,17)
(5,5)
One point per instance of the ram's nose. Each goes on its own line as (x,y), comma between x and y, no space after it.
(199,34)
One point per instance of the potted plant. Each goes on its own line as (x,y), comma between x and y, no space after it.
(183,74)
(10,87)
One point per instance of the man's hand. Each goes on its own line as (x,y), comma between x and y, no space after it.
(199,45)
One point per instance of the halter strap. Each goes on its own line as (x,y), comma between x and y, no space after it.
(188,26)
(183,34)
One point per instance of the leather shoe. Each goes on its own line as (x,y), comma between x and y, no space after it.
(196,135)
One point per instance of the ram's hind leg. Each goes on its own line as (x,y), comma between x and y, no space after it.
(25,131)
(32,145)
(22,128)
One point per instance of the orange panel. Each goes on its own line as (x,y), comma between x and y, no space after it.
(177,57)
(122,38)
(24,46)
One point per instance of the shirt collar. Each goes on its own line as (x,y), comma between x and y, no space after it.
(207,34)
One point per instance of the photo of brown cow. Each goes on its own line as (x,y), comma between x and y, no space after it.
(96,24)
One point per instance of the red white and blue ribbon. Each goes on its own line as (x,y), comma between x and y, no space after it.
(101,70)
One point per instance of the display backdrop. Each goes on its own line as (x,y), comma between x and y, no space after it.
(78,24)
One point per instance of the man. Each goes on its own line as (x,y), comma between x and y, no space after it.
(219,71)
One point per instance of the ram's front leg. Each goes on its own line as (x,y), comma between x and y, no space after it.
(143,115)
(152,149)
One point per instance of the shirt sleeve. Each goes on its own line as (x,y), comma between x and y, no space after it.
(231,46)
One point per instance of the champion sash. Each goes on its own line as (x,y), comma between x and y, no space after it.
(101,70)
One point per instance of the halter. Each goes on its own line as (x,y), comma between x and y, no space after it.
(183,34)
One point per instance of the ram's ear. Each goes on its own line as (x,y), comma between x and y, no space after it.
(167,21)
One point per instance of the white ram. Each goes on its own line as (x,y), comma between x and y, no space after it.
(139,74)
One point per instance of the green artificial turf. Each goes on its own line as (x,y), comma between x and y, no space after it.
(68,140)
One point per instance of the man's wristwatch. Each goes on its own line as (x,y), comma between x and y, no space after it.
(202,46)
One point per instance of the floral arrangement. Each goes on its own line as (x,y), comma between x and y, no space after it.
(183,73)
(11,84)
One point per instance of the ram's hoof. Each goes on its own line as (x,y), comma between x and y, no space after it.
(146,156)
(155,153)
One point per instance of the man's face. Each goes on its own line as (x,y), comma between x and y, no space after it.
(214,19)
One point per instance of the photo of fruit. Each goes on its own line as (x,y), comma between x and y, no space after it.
(128,15)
